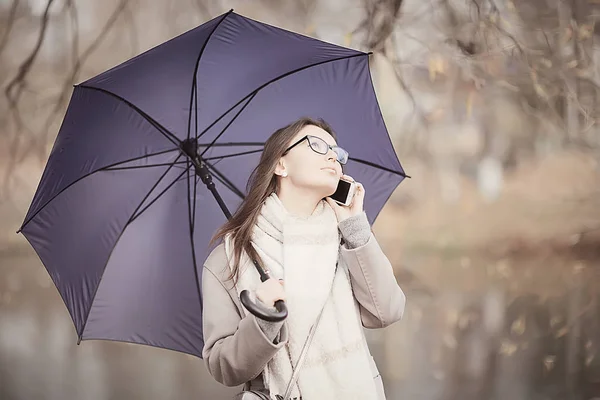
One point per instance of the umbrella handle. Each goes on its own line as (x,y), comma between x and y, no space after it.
(260,310)
(263,312)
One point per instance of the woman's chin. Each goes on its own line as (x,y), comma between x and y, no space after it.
(324,188)
(329,190)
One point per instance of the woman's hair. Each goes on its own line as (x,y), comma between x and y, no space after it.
(261,184)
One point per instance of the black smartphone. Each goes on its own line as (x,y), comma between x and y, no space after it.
(344,193)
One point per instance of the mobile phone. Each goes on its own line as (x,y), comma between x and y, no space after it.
(344,193)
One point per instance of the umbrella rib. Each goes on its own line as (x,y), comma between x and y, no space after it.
(108,167)
(353,159)
(370,164)
(232,155)
(137,214)
(255,91)
(225,181)
(164,131)
(195,191)
(195,78)
(232,144)
(192,220)
(131,219)
(389,139)
(144,166)
(158,153)
(228,125)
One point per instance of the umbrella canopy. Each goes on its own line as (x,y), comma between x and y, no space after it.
(120,218)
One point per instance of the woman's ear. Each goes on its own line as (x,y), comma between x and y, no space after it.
(280,168)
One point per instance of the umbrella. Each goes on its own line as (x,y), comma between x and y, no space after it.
(125,207)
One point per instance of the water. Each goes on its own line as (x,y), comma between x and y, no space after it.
(452,344)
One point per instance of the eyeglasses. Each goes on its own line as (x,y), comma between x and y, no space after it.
(320,146)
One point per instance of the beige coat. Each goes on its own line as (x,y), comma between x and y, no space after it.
(236,350)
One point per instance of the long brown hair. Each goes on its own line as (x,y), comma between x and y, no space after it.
(261,184)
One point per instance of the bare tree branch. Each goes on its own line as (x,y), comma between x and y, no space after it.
(13,92)
(9,24)
(18,82)
(79,62)
(379,22)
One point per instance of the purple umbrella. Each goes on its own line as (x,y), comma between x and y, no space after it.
(121,218)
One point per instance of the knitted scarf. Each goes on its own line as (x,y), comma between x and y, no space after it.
(304,253)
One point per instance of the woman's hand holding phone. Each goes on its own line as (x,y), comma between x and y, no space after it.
(355,207)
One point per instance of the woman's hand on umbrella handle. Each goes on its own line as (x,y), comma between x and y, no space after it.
(270,293)
(261,311)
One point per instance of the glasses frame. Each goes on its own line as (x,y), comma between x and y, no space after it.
(334,148)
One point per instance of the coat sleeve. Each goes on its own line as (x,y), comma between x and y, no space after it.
(235,349)
(380,299)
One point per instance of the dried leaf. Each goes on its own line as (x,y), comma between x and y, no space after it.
(561,332)
(436,65)
(507,85)
(572,64)
(540,91)
(568,34)
(469,105)
(546,62)
(452,317)
(549,362)
(436,114)
(533,74)
(585,31)
(450,341)
(518,326)
(555,321)
(505,23)
(508,348)
(348,39)
(584,72)
(589,359)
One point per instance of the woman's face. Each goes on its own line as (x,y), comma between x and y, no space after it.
(308,169)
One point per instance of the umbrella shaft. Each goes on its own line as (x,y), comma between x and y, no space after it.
(190,148)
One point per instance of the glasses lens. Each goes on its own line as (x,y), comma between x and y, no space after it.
(318,145)
(342,155)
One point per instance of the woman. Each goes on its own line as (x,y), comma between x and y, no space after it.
(322,256)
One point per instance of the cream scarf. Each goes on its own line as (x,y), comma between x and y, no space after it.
(304,252)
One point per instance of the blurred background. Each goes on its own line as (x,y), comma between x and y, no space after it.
(494,110)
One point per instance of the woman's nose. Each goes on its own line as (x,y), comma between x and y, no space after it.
(331,156)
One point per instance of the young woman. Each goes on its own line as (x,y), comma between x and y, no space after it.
(322,256)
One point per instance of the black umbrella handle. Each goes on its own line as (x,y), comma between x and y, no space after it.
(262,311)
